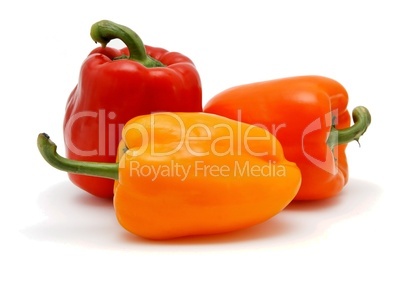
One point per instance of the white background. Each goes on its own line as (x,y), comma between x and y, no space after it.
(54,233)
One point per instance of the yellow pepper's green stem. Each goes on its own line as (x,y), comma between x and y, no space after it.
(48,149)
(361,118)
(104,31)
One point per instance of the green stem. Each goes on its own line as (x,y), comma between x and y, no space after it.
(48,149)
(104,31)
(361,118)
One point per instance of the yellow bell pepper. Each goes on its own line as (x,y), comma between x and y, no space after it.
(184,174)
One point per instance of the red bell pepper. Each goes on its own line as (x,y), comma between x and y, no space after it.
(117,85)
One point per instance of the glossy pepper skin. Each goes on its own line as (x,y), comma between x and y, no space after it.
(309,116)
(117,85)
(186,174)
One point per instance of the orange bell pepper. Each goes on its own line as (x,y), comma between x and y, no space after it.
(184,174)
(308,114)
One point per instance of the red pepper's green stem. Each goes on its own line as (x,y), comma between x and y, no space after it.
(48,149)
(104,31)
(361,118)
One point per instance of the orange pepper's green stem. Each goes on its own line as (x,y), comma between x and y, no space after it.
(104,31)
(48,149)
(361,118)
